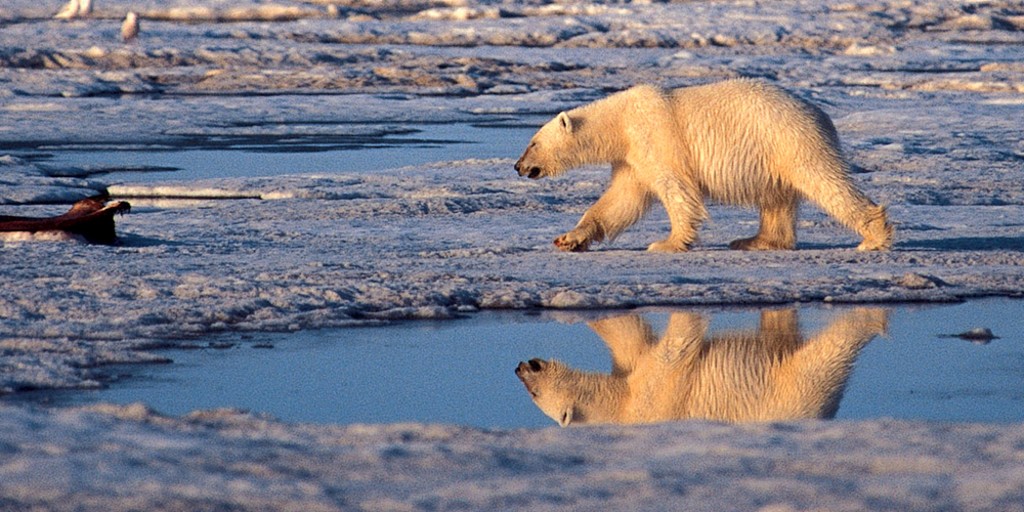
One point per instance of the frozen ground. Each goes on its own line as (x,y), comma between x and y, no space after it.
(127,458)
(927,96)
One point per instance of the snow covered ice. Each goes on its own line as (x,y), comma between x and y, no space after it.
(129,458)
(928,98)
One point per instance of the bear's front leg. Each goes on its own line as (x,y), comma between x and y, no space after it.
(621,205)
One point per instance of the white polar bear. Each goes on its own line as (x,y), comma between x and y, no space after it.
(741,142)
(766,374)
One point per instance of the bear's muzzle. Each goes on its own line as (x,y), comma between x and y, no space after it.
(532,172)
(526,370)
(529,172)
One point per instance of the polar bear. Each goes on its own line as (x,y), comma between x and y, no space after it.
(741,142)
(770,374)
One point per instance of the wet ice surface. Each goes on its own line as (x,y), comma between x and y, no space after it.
(925,95)
(460,372)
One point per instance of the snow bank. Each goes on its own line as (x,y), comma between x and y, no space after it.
(128,458)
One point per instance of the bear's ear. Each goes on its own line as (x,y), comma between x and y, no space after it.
(565,122)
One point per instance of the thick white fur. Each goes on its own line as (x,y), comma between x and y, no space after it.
(741,142)
(768,374)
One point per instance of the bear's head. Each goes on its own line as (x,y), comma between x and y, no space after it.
(552,150)
(566,395)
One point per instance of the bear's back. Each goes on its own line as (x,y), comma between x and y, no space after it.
(747,137)
(751,109)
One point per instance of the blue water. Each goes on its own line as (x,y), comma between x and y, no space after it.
(462,371)
(400,146)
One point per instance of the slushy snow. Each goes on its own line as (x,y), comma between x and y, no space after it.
(928,98)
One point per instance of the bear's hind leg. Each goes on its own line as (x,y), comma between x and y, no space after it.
(876,230)
(841,200)
(778,229)
(685,208)
(826,181)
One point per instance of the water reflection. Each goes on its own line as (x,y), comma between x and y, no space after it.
(763,374)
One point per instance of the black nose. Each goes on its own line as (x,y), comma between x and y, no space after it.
(521,369)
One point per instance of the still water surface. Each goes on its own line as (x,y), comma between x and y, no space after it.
(463,371)
(412,144)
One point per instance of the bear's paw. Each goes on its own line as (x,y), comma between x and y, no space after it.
(572,242)
(668,245)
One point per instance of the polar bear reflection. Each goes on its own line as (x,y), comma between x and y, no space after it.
(739,375)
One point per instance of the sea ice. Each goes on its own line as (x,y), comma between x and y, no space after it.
(925,95)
